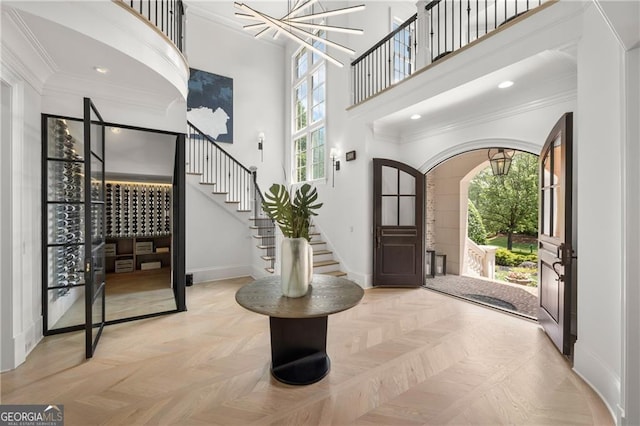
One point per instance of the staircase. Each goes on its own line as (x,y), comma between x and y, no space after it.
(233,185)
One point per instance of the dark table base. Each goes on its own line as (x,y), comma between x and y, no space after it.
(299,350)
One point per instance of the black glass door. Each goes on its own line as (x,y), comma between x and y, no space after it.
(94,209)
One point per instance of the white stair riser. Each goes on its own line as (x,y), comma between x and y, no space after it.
(321,257)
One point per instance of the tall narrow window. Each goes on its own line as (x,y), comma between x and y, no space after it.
(309,113)
(402,52)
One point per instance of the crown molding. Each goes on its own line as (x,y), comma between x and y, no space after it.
(228,23)
(482,118)
(38,48)
(12,64)
(75,85)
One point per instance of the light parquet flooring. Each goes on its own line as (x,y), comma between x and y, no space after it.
(401,357)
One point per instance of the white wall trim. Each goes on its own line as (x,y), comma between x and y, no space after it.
(490,116)
(603,381)
(38,48)
(220,273)
(463,147)
(630,371)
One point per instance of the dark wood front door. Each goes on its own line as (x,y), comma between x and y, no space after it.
(555,234)
(398,220)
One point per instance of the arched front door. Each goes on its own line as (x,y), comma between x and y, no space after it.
(555,254)
(398,220)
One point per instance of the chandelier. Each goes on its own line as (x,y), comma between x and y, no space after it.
(296,25)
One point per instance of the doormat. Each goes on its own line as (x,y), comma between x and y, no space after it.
(491,301)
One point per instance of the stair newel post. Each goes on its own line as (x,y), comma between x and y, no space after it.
(256,196)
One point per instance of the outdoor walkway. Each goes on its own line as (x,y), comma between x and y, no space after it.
(510,297)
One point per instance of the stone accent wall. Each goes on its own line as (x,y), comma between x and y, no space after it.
(430,217)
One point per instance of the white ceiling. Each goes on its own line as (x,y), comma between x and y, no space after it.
(536,79)
(73,56)
(136,152)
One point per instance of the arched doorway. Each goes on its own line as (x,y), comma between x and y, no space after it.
(471,267)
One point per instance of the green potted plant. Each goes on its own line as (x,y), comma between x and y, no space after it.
(293,216)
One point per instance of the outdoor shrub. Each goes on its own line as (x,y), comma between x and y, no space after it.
(506,258)
(476,232)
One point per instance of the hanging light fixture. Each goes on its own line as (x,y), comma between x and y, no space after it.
(500,160)
(294,25)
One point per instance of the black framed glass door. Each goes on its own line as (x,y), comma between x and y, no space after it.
(94,209)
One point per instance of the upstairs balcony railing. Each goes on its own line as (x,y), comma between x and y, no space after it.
(443,27)
(389,61)
(165,15)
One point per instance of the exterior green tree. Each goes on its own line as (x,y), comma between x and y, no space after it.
(508,204)
(476,230)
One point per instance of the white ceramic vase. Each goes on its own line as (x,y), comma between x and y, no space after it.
(296,266)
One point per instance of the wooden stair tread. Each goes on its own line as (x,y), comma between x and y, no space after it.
(263,236)
(207,183)
(267,257)
(270,270)
(193,173)
(244,211)
(325,263)
(219,193)
(335,273)
(313,243)
(231,202)
(321,252)
(261,227)
(265,247)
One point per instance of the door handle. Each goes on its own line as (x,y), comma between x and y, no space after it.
(560,276)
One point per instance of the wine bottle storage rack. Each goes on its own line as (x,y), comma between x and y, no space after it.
(137,209)
(65,211)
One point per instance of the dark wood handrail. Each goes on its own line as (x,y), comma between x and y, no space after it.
(211,140)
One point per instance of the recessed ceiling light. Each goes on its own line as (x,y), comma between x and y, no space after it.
(101,70)
(505,84)
(115,130)
(416,116)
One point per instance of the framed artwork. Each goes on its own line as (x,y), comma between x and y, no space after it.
(210,104)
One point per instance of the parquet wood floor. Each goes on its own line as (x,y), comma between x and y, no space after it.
(401,357)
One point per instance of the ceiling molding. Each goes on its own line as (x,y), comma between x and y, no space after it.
(452,151)
(562,97)
(14,65)
(33,41)
(229,23)
(77,86)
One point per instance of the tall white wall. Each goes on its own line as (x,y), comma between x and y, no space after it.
(20,271)
(258,72)
(218,244)
(599,130)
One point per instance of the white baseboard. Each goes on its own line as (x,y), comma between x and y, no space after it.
(23,343)
(602,379)
(363,280)
(258,272)
(219,273)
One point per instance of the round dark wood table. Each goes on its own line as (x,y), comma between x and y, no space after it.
(299,325)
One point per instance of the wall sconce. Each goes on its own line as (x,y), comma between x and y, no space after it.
(500,160)
(334,153)
(260,142)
